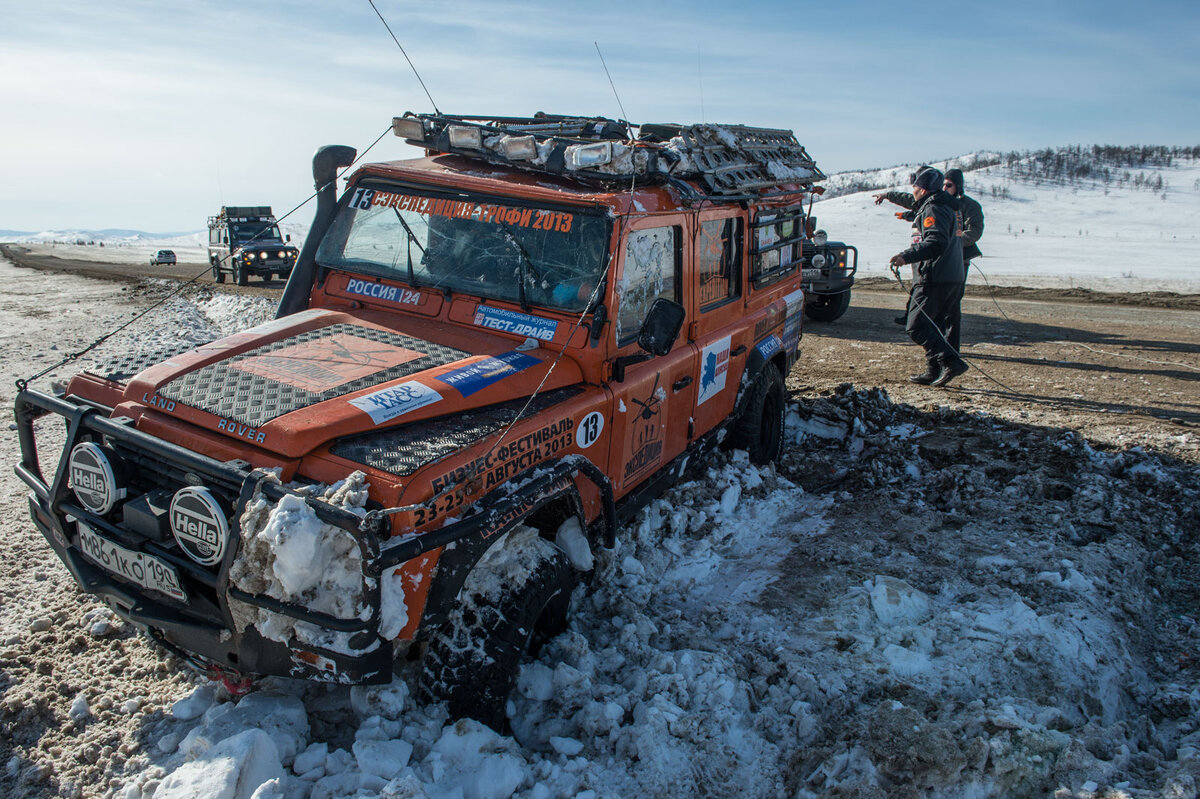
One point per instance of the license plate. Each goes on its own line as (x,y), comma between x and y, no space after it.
(137,567)
(810,273)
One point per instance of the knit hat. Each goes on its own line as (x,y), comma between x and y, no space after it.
(955,176)
(927,178)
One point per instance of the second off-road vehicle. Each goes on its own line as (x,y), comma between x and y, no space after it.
(485,360)
(244,240)
(828,273)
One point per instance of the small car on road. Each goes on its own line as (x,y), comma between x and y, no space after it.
(163,257)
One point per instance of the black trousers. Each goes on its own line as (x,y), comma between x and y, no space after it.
(931,308)
(954,324)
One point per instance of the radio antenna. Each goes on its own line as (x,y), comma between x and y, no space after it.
(610,82)
(406,58)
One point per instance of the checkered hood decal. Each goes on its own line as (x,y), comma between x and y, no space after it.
(306,369)
(121,368)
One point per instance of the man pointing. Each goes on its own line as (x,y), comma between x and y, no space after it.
(937,259)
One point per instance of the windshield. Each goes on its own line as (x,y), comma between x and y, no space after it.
(472,245)
(261,232)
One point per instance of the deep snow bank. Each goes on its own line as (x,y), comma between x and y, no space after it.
(956,606)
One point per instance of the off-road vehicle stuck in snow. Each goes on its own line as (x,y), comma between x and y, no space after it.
(485,360)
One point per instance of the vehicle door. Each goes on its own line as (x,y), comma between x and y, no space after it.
(652,405)
(719,332)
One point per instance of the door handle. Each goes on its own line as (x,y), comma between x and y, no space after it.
(682,383)
(741,348)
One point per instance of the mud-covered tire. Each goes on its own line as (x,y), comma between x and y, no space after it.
(826,307)
(239,275)
(218,275)
(759,430)
(506,610)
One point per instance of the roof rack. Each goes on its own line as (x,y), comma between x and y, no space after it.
(728,161)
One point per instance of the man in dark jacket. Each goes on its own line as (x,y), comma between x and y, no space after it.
(937,276)
(972,229)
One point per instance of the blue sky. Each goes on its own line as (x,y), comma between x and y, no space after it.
(151,115)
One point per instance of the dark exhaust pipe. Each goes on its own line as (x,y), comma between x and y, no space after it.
(326,163)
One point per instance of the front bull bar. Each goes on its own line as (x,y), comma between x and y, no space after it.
(55,511)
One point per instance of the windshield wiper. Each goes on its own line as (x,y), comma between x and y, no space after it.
(412,239)
(525,261)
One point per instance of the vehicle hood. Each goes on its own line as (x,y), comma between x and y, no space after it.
(293,384)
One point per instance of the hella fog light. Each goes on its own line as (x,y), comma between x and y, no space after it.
(198,524)
(466,138)
(519,148)
(583,156)
(820,238)
(408,128)
(818,261)
(92,478)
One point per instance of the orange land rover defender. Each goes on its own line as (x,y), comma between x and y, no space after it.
(518,340)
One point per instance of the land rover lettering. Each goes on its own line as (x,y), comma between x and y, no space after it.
(199,525)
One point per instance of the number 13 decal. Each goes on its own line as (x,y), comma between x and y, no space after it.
(589,429)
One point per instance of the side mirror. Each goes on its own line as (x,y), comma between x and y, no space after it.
(661,326)
(288,237)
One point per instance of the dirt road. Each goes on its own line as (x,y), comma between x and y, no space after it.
(1122,369)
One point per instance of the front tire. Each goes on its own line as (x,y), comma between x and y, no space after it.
(514,600)
(826,307)
(239,275)
(759,430)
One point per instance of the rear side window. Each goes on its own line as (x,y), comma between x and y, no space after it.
(651,270)
(778,244)
(719,260)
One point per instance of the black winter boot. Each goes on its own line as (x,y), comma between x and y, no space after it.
(932,371)
(950,371)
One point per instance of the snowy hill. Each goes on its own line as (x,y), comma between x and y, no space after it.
(1059,218)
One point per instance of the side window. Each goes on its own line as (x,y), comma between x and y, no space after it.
(651,266)
(719,260)
(778,244)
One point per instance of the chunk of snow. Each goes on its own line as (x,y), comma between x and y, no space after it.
(232,769)
(384,759)
(896,602)
(574,543)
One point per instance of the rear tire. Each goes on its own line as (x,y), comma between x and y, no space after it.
(218,274)
(507,608)
(759,430)
(826,307)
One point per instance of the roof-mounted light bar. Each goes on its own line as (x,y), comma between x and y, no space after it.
(727,160)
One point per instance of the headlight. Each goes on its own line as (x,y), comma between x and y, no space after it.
(818,261)
(519,148)
(92,478)
(464,138)
(198,524)
(262,255)
(248,256)
(408,128)
(582,156)
(820,237)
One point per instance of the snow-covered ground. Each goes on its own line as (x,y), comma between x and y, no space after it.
(1043,235)
(748,638)
(1001,611)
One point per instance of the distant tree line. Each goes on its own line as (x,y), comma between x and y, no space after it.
(1098,165)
